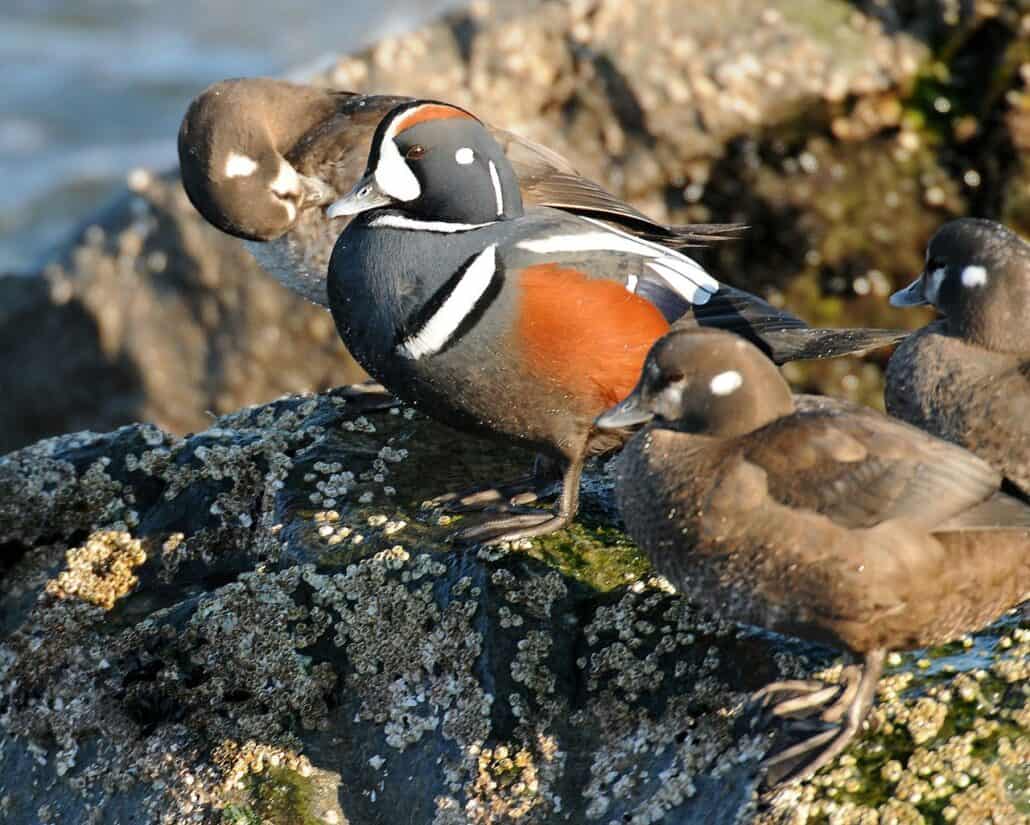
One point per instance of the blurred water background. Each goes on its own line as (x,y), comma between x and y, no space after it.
(90,89)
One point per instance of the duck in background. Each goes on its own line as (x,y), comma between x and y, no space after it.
(258,156)
(813,518)
(966,376)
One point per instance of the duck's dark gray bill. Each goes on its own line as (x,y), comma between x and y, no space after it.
(628,413)
(364,196)
(910,296)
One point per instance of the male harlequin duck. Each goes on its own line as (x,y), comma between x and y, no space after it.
(811,517)
(524,323)
(966,377)
(256,155)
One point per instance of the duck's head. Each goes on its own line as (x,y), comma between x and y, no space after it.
(232,145)
(704,381)
(435,162)
(977,275)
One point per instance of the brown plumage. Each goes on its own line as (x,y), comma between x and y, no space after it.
(966,377)
(813,518)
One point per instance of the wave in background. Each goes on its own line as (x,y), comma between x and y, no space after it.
(90,90)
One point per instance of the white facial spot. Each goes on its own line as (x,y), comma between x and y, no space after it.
(631,283)
(286,182)
(974,276)
(239,166)
(464,156)
(674,394)
(393,175)
(933,285)
(726,382)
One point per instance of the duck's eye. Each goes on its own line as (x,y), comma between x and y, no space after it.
(415,152)
(674,377)
(933,264)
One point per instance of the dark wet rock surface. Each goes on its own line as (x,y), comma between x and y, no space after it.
(259,623)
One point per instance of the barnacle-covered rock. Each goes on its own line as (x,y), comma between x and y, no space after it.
(260,623)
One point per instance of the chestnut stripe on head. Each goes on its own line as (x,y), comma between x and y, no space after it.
(392,174)
(426,112)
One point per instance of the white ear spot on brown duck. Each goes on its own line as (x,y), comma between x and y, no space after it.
(726,382)
(464,156)
(973,276)
(239,166)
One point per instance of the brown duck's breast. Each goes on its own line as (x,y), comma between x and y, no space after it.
(967,395)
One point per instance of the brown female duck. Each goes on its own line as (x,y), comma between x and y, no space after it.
(816,519)
(966,378)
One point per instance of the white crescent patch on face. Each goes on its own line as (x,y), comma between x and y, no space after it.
(286,185)
(932,287)
(392,174)
(239,166)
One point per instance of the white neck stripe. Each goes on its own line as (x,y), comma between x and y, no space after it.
(444,323)
(498,194)
(395,221)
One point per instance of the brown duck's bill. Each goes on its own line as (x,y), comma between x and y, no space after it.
(365,195)
(910,296)
(315,192)
(628,413)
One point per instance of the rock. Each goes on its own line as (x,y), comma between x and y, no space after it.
(258,623)
(152,315)
(191,622)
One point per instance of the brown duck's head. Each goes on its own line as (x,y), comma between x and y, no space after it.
(233,143)
(977,275)
(704,381)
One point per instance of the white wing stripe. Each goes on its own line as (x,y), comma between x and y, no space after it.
(683,274)
(681,283)
(441,326)
(584,242)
